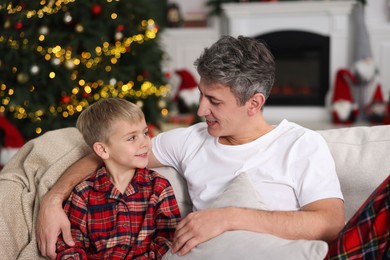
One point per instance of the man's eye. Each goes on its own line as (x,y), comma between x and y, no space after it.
(214,102)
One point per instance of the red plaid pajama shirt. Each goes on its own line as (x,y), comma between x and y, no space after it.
(106,224)
(367,234)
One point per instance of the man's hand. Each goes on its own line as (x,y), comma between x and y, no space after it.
(51,222)
(198,227)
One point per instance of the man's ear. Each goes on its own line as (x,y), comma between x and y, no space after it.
(256,103)
(101,150)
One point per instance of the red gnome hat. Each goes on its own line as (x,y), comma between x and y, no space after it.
(13,140)
(12,136)
(378,96)
(344,109)
(376,110)
(342,90)
(187,82)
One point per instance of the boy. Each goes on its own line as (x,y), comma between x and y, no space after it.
(122,211)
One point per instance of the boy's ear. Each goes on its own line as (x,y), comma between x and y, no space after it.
(256,103)
(100,150)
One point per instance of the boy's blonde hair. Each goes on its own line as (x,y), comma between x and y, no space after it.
(96,121)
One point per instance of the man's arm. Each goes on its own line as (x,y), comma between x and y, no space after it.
(153,162)
(52,219)
(320,220)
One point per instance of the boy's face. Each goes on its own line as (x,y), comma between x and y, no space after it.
(129,145)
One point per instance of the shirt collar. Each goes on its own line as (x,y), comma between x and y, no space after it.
(103,184)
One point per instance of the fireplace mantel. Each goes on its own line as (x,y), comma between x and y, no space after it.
(328,18)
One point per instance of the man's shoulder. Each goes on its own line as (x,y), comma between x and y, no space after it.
(290,128)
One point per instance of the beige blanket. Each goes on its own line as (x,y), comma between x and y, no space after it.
(23,182)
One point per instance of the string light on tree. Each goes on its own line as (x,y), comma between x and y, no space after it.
(73,60)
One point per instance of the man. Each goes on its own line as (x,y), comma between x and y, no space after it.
(290,166)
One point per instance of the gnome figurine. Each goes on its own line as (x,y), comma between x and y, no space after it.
(11,140)
(376,110)
(344,108)
(184,90)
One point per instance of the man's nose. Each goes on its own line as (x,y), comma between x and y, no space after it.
(203,109)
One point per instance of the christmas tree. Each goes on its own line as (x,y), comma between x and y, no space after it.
(58,57)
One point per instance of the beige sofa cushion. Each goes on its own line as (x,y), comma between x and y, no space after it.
(232,245)
(362,161)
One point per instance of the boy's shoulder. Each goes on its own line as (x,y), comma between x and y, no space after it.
(154,177)
(86,184)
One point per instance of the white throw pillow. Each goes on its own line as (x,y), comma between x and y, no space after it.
(233,245)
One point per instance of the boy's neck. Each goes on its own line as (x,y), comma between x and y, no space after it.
(121,179)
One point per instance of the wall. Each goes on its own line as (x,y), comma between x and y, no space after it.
(378,11)
(184,45)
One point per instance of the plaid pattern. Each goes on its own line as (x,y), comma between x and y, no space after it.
(106,224)
(367,234)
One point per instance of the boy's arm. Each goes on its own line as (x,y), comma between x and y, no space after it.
(167,218)
(77,208)
(51,219)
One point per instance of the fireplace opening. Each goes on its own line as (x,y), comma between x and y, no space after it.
(302,68)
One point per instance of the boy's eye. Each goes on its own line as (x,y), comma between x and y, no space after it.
(131,138)
(146,133)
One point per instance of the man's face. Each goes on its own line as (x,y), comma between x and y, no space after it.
(218,105)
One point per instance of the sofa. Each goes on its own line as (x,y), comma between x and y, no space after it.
(361,154)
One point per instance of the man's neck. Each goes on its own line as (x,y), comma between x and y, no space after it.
(248,136)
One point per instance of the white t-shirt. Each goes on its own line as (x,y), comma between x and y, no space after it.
(290,166)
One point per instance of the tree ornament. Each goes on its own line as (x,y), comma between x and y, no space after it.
(151,26)
(68,18)
(22,77)
(139,103)
(79,28)
(7,24)
(120,28)
(34,69)
(118,36)
(85,94)
(18,25)
(69,64)
(55,61)
(65,99)
(112,81)
(162,103)
(97,9)
(145,74)
(44,30)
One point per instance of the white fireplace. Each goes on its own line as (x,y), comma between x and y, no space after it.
(327,18)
